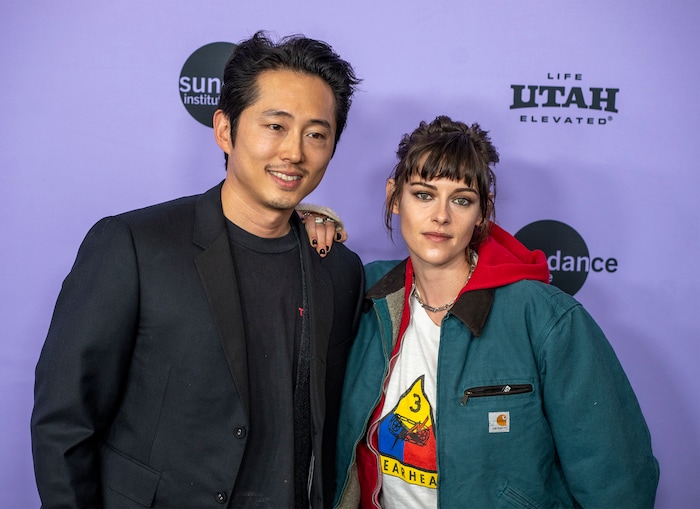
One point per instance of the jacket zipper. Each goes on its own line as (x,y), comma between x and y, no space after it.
(373,426)
(494,390)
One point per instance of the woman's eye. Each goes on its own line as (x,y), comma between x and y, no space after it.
(422,196)
(462,201)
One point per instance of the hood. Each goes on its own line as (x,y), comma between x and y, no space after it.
(503,259)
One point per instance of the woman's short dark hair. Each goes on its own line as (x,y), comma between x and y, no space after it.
(295,53)
(445,148)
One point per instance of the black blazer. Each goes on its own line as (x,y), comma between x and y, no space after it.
(141,392)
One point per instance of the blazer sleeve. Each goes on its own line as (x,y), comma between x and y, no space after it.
(82,366)
(600,433)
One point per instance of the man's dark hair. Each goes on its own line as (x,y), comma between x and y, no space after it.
(294,53)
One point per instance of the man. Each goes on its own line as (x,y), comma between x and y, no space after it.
(197,350)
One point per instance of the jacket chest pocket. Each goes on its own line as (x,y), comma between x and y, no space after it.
(494,390)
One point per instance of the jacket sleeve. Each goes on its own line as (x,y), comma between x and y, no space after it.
(600,433)
(82,367)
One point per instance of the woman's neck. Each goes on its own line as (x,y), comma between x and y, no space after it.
(438,287)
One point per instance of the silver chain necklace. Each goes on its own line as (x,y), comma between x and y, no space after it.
(416,293)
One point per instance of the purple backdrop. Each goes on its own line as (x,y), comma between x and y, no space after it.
(592,104)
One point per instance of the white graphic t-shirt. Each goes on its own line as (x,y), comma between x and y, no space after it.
(406,437)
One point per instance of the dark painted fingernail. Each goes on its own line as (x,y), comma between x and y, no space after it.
(338,236)
(328,248)
(322,251)
(314,242)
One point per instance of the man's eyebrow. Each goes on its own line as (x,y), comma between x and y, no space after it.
(277,113)
(282,113)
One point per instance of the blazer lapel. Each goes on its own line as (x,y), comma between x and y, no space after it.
(215,267)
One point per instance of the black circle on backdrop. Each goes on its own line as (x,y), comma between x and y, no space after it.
(564,249)
(201,79)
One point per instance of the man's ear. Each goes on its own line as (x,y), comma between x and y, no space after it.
(222,131)
(390,188)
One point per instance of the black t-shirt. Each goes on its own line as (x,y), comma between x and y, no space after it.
(270,284)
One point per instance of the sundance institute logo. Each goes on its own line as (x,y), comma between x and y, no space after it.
(567,254)
(201,79)
(564,99)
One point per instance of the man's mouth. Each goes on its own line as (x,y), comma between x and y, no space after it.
(287,178)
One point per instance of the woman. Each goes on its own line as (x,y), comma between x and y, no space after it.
(473,382)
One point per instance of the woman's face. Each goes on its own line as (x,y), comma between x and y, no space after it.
(437,219)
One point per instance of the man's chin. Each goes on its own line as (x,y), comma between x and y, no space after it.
(284,204)
(288,199)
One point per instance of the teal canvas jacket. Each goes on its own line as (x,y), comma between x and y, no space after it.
(576,435)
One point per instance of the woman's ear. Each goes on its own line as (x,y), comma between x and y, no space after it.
(486,217)
(390,189)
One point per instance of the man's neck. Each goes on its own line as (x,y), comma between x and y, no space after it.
(256,219)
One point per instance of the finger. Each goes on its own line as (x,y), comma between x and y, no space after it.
(322,246)
(327,234)
(341,235)
(310,225)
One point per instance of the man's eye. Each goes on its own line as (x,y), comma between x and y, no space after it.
(275,127)
(317,136)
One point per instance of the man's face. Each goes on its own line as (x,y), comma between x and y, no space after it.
(284,141)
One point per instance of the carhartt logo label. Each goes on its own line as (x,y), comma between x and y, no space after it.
(565,98)
(499,422)
(567,253)
(201,79)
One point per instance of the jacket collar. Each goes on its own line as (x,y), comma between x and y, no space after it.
(472,307)
(209,221)
(216,270)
